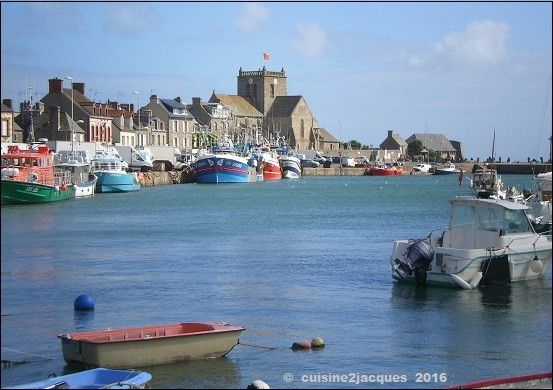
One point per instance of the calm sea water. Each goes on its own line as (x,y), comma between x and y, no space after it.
(288,260)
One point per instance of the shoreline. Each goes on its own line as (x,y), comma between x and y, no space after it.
(156,178)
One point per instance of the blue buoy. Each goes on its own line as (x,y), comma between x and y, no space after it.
(84,302)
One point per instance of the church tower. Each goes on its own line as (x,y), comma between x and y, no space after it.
(261,86)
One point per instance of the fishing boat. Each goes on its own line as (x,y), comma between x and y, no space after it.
(97,378)
(446,169)
(223,165)
(78,165)
(267,161)
(383,170)
(28,176)
(291,165)
(486,183)
(111,176)
(487,241)
(150,345)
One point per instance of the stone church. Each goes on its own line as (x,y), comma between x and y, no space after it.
(262,102)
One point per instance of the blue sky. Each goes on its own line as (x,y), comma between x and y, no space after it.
(364,68)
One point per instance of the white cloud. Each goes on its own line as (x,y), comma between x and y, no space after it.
(311,40)
(128,19)
(251,17)
(483,43)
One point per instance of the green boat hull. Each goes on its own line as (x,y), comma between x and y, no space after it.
(16,192)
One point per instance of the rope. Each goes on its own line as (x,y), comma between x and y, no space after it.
(256,346)
(30,354)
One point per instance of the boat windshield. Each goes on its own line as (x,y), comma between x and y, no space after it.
(492,219)
(516,222)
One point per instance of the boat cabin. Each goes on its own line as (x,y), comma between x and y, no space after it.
(34,165)
(479,223)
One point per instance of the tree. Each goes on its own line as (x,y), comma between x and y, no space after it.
(354,144)
(414,148)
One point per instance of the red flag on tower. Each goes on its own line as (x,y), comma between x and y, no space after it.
(265,56)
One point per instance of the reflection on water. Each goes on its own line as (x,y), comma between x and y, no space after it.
(211,373)
(83,320)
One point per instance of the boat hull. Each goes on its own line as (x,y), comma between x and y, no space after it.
(115,182)
(97,378)
(223,170)
(271,171)
(86,188)
(460,268)
(382,172)
(148,346)
(291,168)
(17,192)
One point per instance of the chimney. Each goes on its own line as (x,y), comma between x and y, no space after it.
(79,87)
(390,133)
(39,108)
(154,99)
(55,85)
(7,103)
(196,102)
(55,120)
(177,99)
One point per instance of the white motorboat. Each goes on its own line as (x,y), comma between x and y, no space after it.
(488,241)
(77,162)
(424,168)
(539,201)
(446,169)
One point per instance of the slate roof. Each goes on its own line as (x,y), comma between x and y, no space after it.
(393,141)
(326,136)
(283,106)
(237,104)
(6,108)
(170,104)
(43,121)
(436,142)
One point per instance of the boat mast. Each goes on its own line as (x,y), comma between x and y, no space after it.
(31,135)
(493,145)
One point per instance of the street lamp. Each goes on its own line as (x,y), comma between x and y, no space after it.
(138,104)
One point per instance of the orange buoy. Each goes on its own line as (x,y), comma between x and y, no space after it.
(301,345)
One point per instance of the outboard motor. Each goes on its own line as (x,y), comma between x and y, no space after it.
(419,257)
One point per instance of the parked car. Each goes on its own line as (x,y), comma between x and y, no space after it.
(336,160)
(306,163)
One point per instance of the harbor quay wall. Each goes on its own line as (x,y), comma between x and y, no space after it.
(154,178)
(511,168)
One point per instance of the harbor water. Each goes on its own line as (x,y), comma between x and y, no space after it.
(289,260)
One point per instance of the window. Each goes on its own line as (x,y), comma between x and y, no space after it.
(176,125)
(272,90)
(5,131)
(462,216)
(516,222)
(302,129)
(175,142)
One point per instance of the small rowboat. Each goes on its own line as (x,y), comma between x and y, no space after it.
(150,345)
(98,378)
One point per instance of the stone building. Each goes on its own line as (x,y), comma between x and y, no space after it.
(436,142)
(96,124)
(394,147)
(214,119)
(7,121)
(177,122)
(262,105)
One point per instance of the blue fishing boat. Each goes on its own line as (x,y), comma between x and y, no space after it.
(223,165)
(111,175)
(97,378)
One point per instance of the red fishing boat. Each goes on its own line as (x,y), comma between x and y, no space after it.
(383,170)
(268,162)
